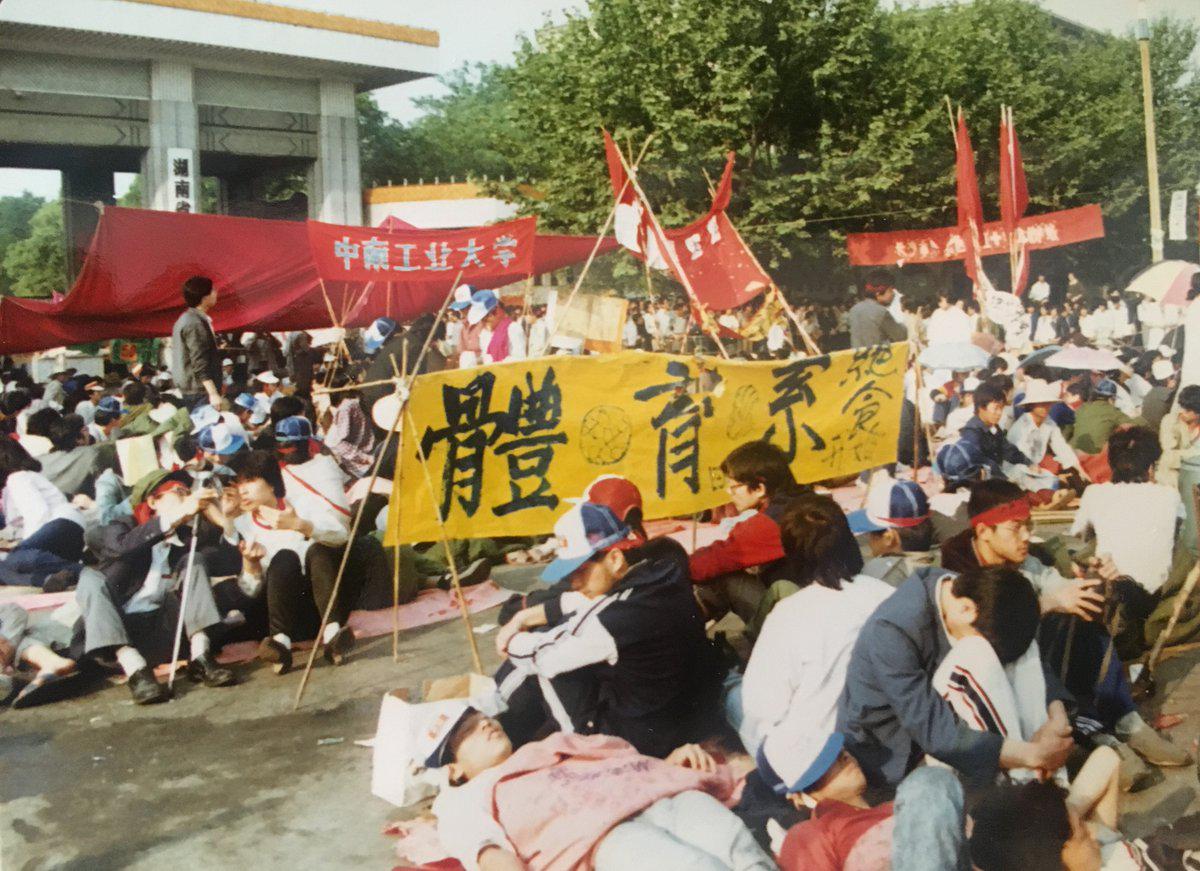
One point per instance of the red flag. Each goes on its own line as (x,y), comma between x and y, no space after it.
(970,206)
(1014,191)
(631,224)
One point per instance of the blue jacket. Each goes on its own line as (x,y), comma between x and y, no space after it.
(889,713)
(993,445)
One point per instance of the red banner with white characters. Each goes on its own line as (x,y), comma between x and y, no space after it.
(1037,232)
(344,253)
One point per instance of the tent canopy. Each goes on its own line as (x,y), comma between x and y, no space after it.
(263,270)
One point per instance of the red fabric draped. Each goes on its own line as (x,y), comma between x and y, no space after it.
(129,286)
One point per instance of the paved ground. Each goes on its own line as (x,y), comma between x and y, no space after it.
(232,778)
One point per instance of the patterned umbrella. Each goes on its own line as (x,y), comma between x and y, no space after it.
(955,356)
(1085,359)
(1165,282)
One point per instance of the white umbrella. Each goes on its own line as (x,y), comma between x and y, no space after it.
(1085,359)
(955,356)
(1165,282)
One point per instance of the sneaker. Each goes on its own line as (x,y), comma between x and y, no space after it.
(1156,749)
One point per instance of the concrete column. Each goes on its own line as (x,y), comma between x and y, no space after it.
(335,180)
(174,123)
(82,187)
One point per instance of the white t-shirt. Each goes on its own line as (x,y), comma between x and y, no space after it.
(1040,292)
(1135,524)
(948,325)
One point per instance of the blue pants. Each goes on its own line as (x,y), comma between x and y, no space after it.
(929,823)
(55,546)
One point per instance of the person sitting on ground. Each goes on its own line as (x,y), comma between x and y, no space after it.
(1048,476)
(106,419)
(733,573)
(73,465)
(36,439)
(1179,436)
(890,713)
(631,664)
(983,431)
(797,669)
(26,643)
(47,528)
(128,603)
(960,465)
(1097,418)
(350,436)
(1079,649)
(896,522)
(268,389)
(248,414)
(580,801)
(312,508)
(136,419)
(957,417)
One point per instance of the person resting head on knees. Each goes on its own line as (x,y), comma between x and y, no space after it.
(571,801)
(896,523)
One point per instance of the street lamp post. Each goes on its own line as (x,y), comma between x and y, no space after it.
(1156,230)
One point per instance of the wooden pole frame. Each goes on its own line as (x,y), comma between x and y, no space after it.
(668,251)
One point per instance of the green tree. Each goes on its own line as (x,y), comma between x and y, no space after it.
(36,265)
(15,215)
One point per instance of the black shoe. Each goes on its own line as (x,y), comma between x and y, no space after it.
(61,581)
(280,657)
(204,669)
(476,573)
(145,688)
(339,646)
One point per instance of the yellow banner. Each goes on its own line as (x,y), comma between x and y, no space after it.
(507,444)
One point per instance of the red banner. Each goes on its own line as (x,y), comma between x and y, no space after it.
(714,258)
(1038,232)
(370,254)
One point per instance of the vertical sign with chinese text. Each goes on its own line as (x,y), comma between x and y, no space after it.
(181,179)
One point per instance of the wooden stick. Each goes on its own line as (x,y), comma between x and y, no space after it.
(667,251)
(454,579)
(612,213)
(337,582)
(1181,597)
(396,544)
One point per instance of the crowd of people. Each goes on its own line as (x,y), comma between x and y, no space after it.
(913,682)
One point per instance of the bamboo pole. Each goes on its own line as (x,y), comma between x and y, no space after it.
(403,373)
(612,213)
(337,583)
(454,579)
(667,251)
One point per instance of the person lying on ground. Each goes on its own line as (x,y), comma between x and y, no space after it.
(632,663)
(733,573)
(1075,830)
(25,643)
(581,802)
(797,669)
(923,828)
(1073,641)
(129,604)
(890,713)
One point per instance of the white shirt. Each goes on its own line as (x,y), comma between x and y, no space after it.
(1045,333)
(30,502)
(262,404)
(956,420)
(629,334)
(1040,292)
(86,409)
(539,336)
(1190,371)
(1135,524)
(947,325)
(662,320)
(1035,441)
(776,337)
(315,490)
(150,594)
(798,669)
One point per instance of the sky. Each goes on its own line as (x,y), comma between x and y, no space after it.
(488,31)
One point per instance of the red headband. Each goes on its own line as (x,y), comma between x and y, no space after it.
(876,289)
(1018,509)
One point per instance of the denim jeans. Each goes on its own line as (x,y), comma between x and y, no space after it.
(929,822)
(691,831)
(55,546)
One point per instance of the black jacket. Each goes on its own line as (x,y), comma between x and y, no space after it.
(645,639)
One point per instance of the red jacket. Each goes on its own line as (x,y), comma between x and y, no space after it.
(753,541)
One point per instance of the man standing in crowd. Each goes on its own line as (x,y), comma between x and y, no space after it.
(195,361)
(871,321)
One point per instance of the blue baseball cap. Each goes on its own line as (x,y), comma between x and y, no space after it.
(960,461)
(246,401)
(462,297)
(584,531)
(378,333)
(294,429)
(219,439)
(109,404)
(1106,387)
(891,505)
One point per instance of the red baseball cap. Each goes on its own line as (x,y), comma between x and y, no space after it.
(619,495)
